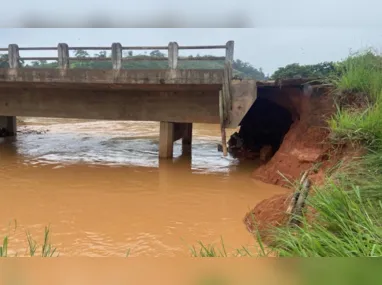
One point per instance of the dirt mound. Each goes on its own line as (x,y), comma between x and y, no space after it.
(304,147)
(267,214)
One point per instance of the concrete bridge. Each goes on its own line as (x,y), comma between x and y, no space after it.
(174,97)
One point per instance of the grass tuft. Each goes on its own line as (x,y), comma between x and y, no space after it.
(4,248)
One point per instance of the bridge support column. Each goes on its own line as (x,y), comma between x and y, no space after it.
(8,126)
(171,132)
(166,139)
(187,138)
(187,133)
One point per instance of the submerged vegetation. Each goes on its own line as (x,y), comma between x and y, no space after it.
(47,249)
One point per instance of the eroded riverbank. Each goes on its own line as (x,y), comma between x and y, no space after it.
(102,189)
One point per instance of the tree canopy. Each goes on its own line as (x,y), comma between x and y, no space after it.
(296,70)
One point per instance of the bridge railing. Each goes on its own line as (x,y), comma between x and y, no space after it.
(63,58)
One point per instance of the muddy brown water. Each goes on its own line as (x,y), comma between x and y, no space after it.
(103,191)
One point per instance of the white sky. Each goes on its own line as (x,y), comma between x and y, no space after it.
(284,31)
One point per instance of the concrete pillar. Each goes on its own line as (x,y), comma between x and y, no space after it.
(187,135)
(116,56)
(171,132)
(166,140)
(13,56)
(173,52)
(63,56)
(229,52)
(187,138)
(9,124)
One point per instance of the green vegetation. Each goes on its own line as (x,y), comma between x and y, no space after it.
(4,248)
(212,250)
(47,250)
(359,92)
(295,70)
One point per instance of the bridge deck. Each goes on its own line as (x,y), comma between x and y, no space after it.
(120,79)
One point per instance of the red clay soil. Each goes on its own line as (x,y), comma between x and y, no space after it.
(304,146)
(267,214)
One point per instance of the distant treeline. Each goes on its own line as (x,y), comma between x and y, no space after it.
(241,68)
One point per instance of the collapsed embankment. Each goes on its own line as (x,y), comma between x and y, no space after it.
(291,122)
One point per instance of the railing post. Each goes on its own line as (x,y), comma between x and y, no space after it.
(173,52)
(63,56)
(116,55)
(229,52)
(13,56)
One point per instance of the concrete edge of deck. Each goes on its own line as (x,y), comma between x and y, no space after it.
(122,76)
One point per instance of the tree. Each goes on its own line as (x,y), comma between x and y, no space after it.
(4,61)
(246,70)
(295,70)
(81,53)
(101,54)
(157,53)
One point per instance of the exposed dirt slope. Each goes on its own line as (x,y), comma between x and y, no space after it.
(304,147)
(305,143)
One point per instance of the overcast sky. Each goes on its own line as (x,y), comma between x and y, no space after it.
(268,48)
(283,31)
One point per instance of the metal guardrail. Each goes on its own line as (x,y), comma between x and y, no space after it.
(116,57)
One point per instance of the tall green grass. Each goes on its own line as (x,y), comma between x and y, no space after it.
(347,222)
(348,205)
(359,77)
(359,73)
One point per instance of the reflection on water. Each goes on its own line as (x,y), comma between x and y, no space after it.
(102,188)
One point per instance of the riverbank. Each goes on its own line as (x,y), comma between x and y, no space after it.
(342,215)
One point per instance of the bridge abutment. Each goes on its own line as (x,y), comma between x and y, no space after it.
(8,126)
(169,133)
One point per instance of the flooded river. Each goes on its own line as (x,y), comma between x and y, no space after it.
(103,190)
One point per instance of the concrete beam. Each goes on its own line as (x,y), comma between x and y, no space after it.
(181,107)
(160,77)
